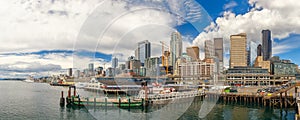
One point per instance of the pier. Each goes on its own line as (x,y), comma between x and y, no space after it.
(279,99)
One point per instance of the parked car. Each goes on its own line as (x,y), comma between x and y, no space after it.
(233,89)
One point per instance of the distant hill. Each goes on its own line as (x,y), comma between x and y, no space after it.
(12,78)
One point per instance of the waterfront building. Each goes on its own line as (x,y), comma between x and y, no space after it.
(91,67)
(114,63)
(247,76)
(175,47)
(70,72)
(197,70)
(142,72)
(283,68)
(86,72)
(110,72)
(186,57)
(238,50)
(193,52)
(135,65)
(298,76)
(259,62)
(152,66)
(259,50)
(209,49)
(219,52)
(122,66)
(143,51)
(266,44)
(77,74)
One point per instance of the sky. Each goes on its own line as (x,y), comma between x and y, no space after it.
(42,38)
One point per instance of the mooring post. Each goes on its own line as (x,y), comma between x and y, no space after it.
(69,92)
(94,101)
(285,99)
(129,103)
(78,100)
(280,100)
(105,102)
(119,101)
(87,100)
(74,91)
(62,99)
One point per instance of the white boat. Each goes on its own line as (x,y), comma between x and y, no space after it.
(81,85)
(29,79)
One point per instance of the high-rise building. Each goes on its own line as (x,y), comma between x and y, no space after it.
(70,72)
(209,49)
(219,52)
(266,44)
(263,64)
(218,44)
(143,51)
(175,47)
(77,74)
(91,67)
(114,63)
(259,50)
(193,52)
(238,50)
(249,57)
(122,66)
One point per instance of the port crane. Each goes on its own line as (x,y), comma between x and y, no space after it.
(165,56)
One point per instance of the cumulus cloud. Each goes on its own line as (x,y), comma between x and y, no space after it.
(135,21)
(46,63)
(230,5)
(282,18)
(32,25)
(111,27)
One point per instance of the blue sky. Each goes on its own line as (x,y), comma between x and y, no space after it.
(96,31)
(216,8)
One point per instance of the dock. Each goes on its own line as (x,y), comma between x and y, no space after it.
(279,99)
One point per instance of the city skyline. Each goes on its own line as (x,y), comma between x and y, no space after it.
(46,49)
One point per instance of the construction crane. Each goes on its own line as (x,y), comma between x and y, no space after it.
(165,56)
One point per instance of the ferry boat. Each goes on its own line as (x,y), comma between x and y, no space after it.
(168,94)
(81,85)
(29,79)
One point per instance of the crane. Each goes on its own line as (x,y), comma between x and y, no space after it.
(165,56)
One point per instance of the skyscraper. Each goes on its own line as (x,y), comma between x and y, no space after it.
(218,43)
(114,63)
(193,52)
(91,67)
(266,44)
(175,47)
(209,49)
(143,51)
(70,72)
(259,50)
(238,50)
(249,57)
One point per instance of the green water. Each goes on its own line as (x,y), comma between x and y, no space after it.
(20,100)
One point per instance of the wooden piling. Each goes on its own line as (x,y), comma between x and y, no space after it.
(62,99)
(280,100)
(94,102)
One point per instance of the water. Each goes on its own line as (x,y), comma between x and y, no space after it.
(20,100)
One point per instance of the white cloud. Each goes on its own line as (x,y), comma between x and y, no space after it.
(230,5)
(281,17)
(111,27)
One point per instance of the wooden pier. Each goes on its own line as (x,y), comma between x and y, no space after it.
(279,99)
